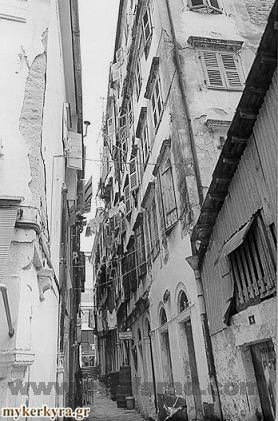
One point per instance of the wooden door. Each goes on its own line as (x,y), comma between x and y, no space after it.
(264,361)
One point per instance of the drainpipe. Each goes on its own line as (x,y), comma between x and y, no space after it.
(185,107)
(3,289)
(193,261)
(153,374)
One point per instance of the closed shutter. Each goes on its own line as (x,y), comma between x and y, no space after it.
(133,174)
(127,199)
(231,71)
(110,126)
(7,224)
(168,196)
(140,250)
(213,70)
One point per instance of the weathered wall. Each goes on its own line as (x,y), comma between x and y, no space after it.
(32,83)
(252,188)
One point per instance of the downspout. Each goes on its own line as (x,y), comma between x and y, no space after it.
(153,374)
(193,261)
(185,107)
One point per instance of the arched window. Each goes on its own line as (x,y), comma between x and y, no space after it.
(163,317)
(139,335)
(183,301)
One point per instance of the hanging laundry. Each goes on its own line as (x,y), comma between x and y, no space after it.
(99,322)
(112,319)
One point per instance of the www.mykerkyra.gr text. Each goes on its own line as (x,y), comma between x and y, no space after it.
(51,413)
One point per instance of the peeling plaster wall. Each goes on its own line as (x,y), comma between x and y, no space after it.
(33,84)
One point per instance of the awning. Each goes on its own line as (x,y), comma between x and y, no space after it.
(236,240)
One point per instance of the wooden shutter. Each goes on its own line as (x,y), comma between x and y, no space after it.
(140,250)
(214,4)
(7,227)
(127,199)
(133,174)
(168,196)
(110,126)
(231,71)
(213,70)
(196,4)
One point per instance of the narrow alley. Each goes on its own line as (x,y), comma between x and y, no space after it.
(104,409)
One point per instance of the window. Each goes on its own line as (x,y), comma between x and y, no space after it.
(147,31)
(153,228)
(209,5)
(222,70)
(253,266)
(123,137)
(183,302)
(138,79)
(156,103)
(140,250)
(145,142)
(163,317)
(168,195)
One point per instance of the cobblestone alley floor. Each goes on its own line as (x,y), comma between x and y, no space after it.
(104,409)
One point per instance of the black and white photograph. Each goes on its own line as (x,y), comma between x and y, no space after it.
(138,210)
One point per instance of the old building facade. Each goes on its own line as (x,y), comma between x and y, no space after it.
(41,170)
(177,74)
(236,236)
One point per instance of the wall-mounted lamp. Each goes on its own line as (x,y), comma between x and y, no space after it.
(87,124)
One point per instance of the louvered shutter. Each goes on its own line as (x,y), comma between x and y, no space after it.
(133,174)
(168,197)
(231,71)
(7,226)
(214,4)
(196,4)
(127,199)
(213,70)
(110,126)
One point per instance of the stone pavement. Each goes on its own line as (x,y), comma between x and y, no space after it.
(104,409)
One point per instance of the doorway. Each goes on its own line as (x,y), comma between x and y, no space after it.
(264,361)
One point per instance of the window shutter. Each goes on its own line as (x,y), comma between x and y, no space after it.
(231,71)
(127,199)
(110,126)
(168,197)
(196,4)
(215,79)
(214,4)
(133,174)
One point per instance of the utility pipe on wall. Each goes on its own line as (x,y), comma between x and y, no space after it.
(193,261)
(4,291)
(185,107)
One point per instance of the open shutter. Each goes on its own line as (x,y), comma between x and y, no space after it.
(133,174)
(127,199)
(214,4)
(231,71)
(110,126)
(211,64)
(168,197)
(197,4)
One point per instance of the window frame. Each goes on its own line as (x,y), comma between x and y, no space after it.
(166,167)
(153,228)
(206,4)
(147,39)
(145,142)
(138,78)
(221,69)
(155,99)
